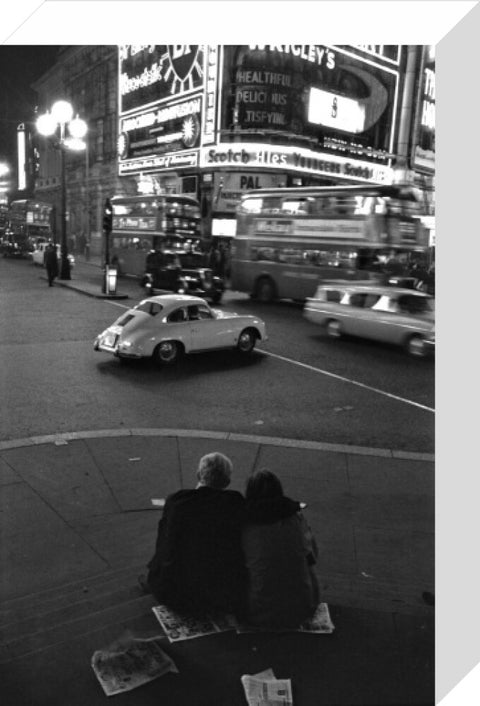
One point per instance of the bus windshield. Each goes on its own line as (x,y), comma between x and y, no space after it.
(290,239)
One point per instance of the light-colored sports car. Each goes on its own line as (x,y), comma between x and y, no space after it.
(164,327)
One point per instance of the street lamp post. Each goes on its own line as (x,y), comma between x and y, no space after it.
(67,132)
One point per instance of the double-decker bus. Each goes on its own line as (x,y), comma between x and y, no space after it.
(288,240)
(141,224)
(29,223)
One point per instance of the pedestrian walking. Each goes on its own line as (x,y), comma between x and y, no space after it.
(51,263)
(214,259)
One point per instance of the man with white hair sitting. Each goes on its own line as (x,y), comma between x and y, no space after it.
(198,562)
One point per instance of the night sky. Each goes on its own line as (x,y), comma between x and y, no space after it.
(20,66)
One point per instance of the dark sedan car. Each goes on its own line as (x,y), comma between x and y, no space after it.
(183,272)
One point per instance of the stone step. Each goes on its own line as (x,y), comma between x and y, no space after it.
(65,594)
(39,621)
(47,634)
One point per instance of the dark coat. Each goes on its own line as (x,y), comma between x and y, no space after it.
(279,549)
(51,261)
(198,563)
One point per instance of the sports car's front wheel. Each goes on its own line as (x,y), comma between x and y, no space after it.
(167,352)
(246,341)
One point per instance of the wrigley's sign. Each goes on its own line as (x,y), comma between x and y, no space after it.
(251,155)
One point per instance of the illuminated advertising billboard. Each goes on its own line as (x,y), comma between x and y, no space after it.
(161,106)
(424,142)
(331,99)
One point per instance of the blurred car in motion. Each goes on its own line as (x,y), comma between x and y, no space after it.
(10,246)
(166,326)
(38,255)
(183,272)
(399,316)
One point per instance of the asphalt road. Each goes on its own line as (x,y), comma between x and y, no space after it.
(299,384)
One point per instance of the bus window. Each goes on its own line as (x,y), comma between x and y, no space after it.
(251,205)
(297,207)
(364,205)
(380,206)
(407,208)
(136,208)
(259,253)
(271,205)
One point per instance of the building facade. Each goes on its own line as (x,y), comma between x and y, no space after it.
(214,121)
(86,76)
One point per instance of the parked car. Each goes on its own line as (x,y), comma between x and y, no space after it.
(183,272)
(395,315)
(38,255)
(166,326)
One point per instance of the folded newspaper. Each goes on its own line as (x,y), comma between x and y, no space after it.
(130,662)
(183,627)
(264,689)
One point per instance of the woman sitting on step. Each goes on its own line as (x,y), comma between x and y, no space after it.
(280,552)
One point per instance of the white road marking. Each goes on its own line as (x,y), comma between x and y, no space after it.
(122,306)
(344,379)
(328,374)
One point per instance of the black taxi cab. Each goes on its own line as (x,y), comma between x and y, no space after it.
(183,272)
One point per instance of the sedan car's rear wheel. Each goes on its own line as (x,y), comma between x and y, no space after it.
(167,352)
(246,341)
(416,346)
(334,328)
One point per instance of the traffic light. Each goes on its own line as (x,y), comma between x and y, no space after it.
(107,216)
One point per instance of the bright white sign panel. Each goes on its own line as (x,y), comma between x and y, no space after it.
(334,111)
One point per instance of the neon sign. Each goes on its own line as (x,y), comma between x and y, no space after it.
(248,155)
(428,104)
(149,73)
(330,98)
(210,95)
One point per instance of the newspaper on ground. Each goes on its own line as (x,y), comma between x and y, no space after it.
(264,689)
(179,626)
(319,623)
(129,663)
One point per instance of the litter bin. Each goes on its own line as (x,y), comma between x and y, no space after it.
(110,286)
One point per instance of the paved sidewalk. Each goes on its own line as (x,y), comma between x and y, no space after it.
(87,277)
(78,526)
